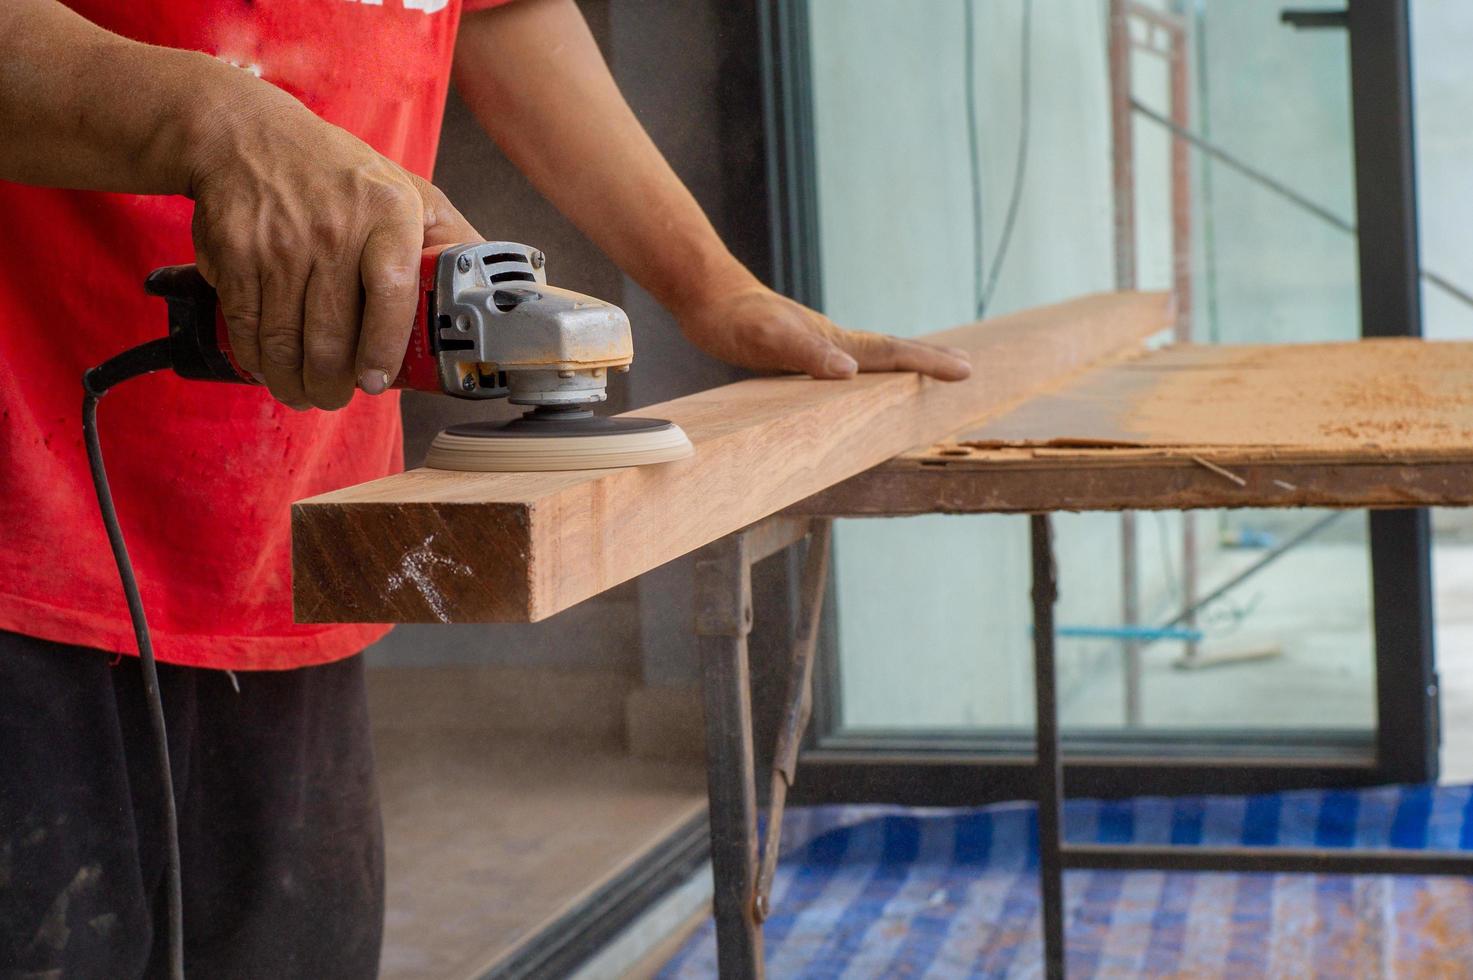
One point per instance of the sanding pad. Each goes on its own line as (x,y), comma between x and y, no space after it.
(534,445)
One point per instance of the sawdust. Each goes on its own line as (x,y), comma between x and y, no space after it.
(1390,394)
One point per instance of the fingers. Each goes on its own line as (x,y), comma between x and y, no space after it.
(821,358)
(822,350)
(238,290)
(240,304)
(283,290)
(330,332)
(758,329)
(389,269)
(882,352)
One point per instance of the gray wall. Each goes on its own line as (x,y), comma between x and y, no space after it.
(664,58)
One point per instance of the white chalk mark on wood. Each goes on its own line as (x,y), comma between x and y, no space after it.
(416,569)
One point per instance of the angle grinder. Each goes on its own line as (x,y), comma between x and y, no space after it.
(488,326)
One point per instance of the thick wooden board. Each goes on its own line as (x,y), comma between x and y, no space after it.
(435,546)
(1375,423)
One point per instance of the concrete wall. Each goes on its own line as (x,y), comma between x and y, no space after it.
(664,56)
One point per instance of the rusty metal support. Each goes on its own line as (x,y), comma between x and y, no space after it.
(1181,272)
(1122,147)
(1122,14)
(1050,765)
(723,608)
(797,704)
(723,598)
(1122,170)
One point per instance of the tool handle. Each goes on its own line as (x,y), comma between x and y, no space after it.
(199,341)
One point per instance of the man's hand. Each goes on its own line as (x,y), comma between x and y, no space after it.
(756,328)
(312,240)
(310,236)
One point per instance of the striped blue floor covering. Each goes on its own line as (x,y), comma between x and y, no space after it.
(886,892)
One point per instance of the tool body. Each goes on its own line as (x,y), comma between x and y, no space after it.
(487,326)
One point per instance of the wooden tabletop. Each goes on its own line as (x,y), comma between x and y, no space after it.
(1374,423)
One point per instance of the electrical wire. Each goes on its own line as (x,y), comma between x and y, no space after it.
(1020,164)
(974,153)
(145,358)
(1262,179)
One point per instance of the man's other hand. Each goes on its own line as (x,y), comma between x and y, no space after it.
(754,327)
(312,240)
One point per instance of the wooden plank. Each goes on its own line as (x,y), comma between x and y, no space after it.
(428,546)
(1376,423)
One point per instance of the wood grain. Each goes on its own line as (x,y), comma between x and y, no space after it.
(1375,423)
(435,546)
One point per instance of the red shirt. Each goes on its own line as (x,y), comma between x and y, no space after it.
(203,474)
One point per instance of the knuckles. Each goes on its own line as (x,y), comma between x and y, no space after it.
(389,281)
(324,355)
(280,350)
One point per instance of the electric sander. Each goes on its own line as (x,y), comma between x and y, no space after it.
(488,326)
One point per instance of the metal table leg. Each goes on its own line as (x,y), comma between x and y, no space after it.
(797,705)
(723,620)
(1049,768)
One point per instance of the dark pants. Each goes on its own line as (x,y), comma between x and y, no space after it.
(281,842)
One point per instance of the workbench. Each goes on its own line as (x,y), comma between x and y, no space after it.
(1368,424)
(1075,414)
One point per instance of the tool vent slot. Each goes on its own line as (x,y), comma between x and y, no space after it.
(521,270)
(457,343)
(442,321)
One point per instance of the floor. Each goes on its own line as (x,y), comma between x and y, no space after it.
(490,836)
(947,894)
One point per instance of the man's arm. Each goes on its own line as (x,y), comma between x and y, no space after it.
(311,238)
(533,75)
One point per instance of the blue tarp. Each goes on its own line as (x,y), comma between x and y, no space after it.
(886,892)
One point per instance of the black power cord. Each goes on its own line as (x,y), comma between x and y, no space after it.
(143,359)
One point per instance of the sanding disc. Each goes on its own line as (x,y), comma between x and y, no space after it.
(538,446)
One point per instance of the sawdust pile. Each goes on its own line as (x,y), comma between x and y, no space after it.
(1391,394)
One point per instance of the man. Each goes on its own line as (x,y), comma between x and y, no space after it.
(284,145)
